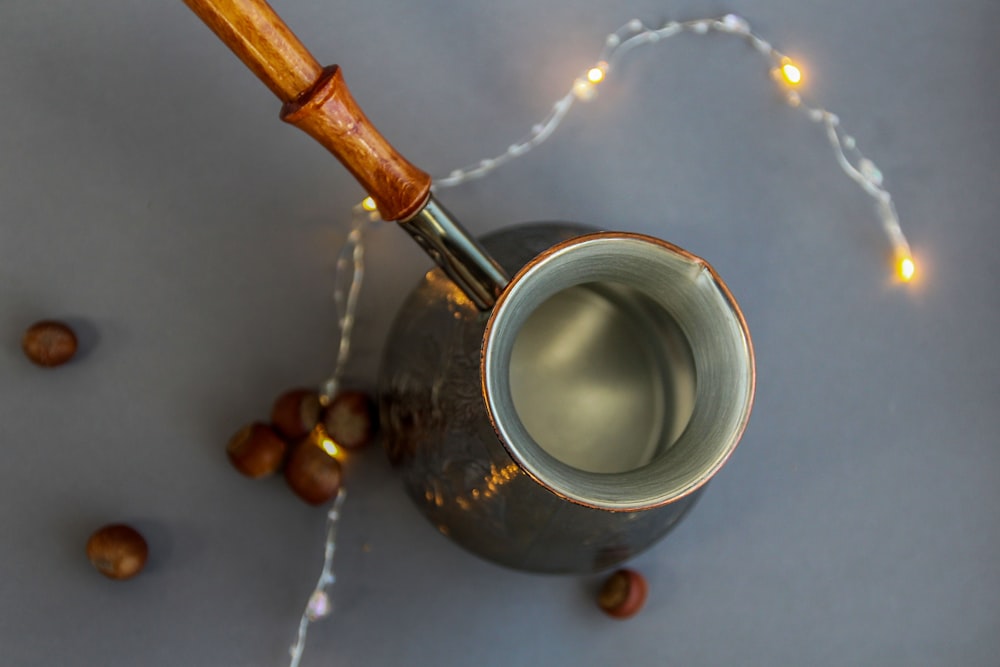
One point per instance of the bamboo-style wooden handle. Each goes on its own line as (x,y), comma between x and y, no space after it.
(317,101)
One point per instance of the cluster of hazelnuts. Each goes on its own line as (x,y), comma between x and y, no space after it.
(303,439)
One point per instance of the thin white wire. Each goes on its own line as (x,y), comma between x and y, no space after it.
(539,133)
(326,579)
(634,34)
(350,261)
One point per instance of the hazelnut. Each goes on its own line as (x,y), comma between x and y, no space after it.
(256,450)
(49,343)
(623,594)
(117,551)
(350,419)
(295,413)
(312,472)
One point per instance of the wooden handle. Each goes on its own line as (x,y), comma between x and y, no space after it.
(317,101)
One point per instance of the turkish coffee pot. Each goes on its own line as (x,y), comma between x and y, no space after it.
(554,397)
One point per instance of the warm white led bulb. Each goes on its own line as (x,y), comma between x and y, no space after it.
(790,72)
(907,269)
(330,447)
(596,74)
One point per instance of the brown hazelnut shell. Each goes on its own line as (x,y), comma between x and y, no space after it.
(313,474)
(295,413)
(256,450)
(350,419)
(49,343)
(623,594)
(117,551)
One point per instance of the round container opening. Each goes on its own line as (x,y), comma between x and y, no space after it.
(618,371)
(602,378)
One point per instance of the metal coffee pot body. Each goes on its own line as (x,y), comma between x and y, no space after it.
(560,420)
(576,421)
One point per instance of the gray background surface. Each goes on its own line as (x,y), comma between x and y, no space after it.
(149,195)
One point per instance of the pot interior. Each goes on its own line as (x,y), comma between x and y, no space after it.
(602,377)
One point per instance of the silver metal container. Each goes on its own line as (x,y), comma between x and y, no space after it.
(575,422)
(561,420)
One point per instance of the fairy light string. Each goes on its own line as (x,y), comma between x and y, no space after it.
(784,72)
(348,276)
(319,605)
